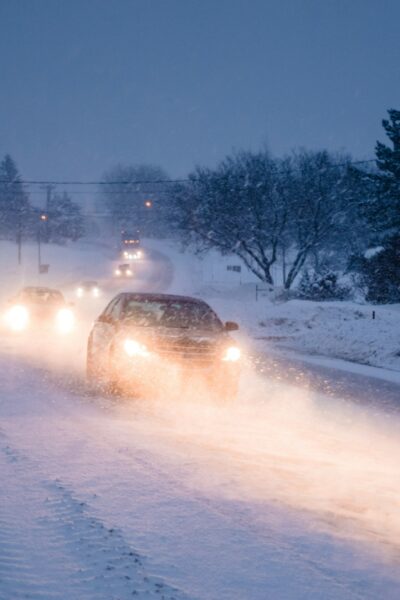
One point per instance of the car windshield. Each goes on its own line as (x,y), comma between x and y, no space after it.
(89,284)
(174,314)
(42,296)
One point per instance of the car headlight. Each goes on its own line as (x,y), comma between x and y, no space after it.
(79,292)
(96,292)
(65,320)
(126,254)
(134,348)
(17,318)
(128,272)
(117,272)
(232,354)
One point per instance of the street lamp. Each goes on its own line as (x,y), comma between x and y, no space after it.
(43,219)
(148,203)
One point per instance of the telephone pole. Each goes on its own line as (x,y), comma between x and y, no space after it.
(48,188)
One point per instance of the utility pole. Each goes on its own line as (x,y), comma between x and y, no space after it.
(19,234)
(48,189)
(19,245)
(43,219)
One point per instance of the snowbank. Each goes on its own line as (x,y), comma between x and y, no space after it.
(335,329)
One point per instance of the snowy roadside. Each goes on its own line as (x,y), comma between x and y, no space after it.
(338,330)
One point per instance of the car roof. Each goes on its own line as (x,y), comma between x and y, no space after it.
(151,297)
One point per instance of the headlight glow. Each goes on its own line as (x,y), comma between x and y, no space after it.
(133,348)
(79,292)
(232,354)
(117,272)
(96,292)
(128,272)
(17,318)
(65,320)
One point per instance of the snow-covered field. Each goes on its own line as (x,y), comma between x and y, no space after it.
(286,494)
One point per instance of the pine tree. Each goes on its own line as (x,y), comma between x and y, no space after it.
(14,204)
(385,211)
(380,274)
(65,218)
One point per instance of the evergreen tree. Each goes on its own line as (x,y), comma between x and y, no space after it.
(321,286)
(380,273)
(385,209)
(14,203)
(65,219)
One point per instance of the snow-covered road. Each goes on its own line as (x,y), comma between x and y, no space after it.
(341,381)
(288,494)
(254,504)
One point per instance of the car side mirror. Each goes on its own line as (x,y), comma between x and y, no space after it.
(105,319)
(231,326)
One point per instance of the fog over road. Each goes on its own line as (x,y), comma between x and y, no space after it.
(290,492)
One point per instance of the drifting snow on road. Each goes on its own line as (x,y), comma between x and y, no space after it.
(99,484)
(52,547)
(285,493)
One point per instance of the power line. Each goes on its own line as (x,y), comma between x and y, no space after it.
(54,182)
(147,182)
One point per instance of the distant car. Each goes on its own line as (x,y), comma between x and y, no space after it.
(39,308)
(130,239)
(88,289)
(132,254)
(141,341)
(124,270)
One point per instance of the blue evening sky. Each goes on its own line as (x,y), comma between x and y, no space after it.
(85,84)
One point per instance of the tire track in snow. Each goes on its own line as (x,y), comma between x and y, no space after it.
(51,546)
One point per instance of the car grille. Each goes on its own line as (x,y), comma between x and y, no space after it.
(187,352)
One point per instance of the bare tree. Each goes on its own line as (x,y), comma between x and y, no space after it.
(239,208)
(322,197)
(258,208)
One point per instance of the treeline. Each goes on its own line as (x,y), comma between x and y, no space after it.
(20,219)
(331,224)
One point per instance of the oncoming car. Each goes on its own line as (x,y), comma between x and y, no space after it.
(88,289)
(135,254)
(124,270)
(141,340)
(39,308)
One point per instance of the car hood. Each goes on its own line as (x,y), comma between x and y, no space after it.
(43,311)
(170,334)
